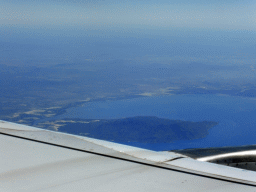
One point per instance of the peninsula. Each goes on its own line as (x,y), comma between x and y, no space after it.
(144,129)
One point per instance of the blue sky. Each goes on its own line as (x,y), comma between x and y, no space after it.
(159,27)
(211,15)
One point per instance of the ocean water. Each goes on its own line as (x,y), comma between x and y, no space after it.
(236,117)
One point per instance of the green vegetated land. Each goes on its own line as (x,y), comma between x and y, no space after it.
(145,129)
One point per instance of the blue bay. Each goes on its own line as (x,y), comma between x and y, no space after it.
(235,115)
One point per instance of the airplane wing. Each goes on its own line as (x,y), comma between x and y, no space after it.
(34,159)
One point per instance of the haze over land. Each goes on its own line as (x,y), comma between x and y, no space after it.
(34,92)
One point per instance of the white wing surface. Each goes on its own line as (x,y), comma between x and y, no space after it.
(35,159)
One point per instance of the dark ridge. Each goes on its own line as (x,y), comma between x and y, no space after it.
(144,129)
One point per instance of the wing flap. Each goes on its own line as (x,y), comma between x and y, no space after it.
(102,153)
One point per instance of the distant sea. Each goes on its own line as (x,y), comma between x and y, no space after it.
(236,117)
